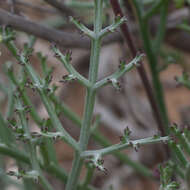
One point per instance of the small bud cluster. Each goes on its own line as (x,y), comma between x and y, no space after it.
(30,85)
(183,80)
(19,133)
(59,55)
(117,21)
(67,78)
(25,109)
(180,144)
(166,173)
(24,56)
(122,64)
(83,30)
(18,175)
(126,139)
(7,34)
(68,56)
(25,174)
(44,86)
(97,162)
(46,134)
(115,83)
(17,129)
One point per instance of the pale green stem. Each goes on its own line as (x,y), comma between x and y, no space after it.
(90,98)
(121,146)
(32,149)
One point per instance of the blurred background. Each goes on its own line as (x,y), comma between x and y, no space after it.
(117,109)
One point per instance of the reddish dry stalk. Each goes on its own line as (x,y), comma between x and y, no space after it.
(128,38)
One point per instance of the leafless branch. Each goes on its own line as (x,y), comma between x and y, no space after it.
(61,7)
(62,38)
(12,6)
(66,39)
(35,7)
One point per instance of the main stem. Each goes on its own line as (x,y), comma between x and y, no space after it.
(90,98)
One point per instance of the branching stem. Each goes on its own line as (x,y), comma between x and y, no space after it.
(121,146)
(90,97)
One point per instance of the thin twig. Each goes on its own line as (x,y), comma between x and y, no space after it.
(128,38)
(66,39)
(36,7)
(12,6)
(61,7)
(61,38)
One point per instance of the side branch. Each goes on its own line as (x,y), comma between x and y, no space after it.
(121,146)
(123,68)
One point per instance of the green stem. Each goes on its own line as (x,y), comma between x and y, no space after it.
(179,154)
(14,153)
(125,68)
(153,9)
(183,141)
(90,98)
(5,134)
(102,140)
(52,168)
(56,122)
(32,149)
(121,146)
(187,177)
(143,170)
(153,62)
(184,27)
(162,27)
(88,178)
(10,106)
(43,94)
(47,150)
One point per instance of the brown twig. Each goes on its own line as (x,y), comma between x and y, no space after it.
(12,6)
(61,38)
(61,7)
(70,40)
(128,38)
(35,7)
